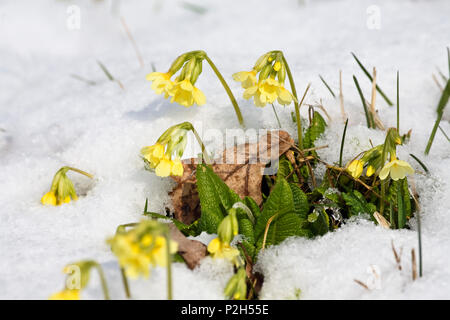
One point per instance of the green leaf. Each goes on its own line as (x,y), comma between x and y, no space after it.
(357,203)
(188,230)
(314,131)
(216,198)
(285,169)
(253,206)
(399,196)
(301,205)
(285,222)
(319,222)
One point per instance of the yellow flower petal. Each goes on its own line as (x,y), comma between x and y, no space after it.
(49,198)
(214,245)
(355,168)
(177,168)
(66,294)
(164,168)
(199,97)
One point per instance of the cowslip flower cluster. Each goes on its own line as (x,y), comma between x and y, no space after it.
(164,156)
(220,247)
(269,85)
(62,189)
(236,287)
(182,89)
(373,160)
(141,248)
(78,279)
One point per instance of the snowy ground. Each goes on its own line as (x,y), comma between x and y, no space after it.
(51,119)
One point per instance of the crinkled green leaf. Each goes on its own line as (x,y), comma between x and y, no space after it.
(301,205)
(357,203)
(285,170)
(314,131)
(216,198)
(286,222)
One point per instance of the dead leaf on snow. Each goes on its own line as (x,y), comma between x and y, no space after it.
(240,167)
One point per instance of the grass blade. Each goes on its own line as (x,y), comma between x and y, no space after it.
(194,8)
(440,111)
(342,143)
(401,214)
(419,162)
(371,79)
(443,132)
(326,85)
(109,75)
(366,111)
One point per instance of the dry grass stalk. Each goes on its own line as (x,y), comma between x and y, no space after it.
(381,220)
(414,264)
(397,256)
(362,284)
(130,36)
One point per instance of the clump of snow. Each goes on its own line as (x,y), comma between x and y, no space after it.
(52,119)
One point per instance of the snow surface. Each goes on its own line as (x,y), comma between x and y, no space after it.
(51,119)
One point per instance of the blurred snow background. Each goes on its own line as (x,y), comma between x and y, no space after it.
(50,119)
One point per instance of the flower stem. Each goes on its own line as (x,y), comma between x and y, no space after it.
(125,283)
(202,145)
(169,268)
(276,115)
(103,282)
(227,89)
(81,172)
(296,104)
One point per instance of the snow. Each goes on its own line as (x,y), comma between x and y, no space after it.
(51,119)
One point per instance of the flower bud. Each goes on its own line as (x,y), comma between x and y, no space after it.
(261,62)
(178,63)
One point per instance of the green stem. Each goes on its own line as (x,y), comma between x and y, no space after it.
(81,172)
(169,268)
(419,233)
(296,104)
(202,146)
(328,87)
(363,100)
(228,90)
(103,282)
(433,133)
(371,80)
(125,283)
(276,115)
(342,143)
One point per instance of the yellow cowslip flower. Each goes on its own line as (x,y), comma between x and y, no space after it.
(356,168)
(138,249)
(153,154)
(284,96)
(222,250)
(267,91)
(66,294)
(161,82)
(168,167)
(397,169)
(247,78)
(49,198)
(370,171)
(177,168)
(62,189)
(158,254)
(186,94)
